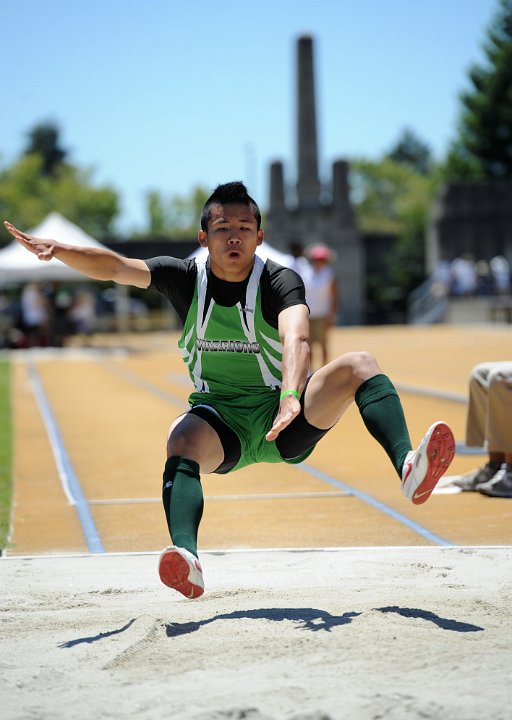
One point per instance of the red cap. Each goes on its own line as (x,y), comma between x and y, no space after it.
(319,252)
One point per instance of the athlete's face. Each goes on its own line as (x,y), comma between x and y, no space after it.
(231,240)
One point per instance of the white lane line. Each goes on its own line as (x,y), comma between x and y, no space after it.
(432,392)
(68,477)
(378,505)
(406,550)
(57,447)
(214,498)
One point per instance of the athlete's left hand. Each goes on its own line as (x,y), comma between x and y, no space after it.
(289,408)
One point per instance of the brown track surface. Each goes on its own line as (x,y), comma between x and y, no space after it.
(113,423)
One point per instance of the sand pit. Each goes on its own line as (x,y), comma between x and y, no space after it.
(393,633)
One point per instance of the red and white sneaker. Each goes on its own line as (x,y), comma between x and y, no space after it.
(425,466)
(181,570)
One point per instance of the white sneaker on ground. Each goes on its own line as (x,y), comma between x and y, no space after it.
(181,570)
(423,467)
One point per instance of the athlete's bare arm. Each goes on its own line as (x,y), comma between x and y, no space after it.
(294,334)
(96,263)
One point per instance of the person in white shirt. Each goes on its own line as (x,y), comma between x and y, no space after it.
(35,315)
(321,297)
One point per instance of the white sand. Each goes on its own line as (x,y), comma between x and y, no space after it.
(387,633)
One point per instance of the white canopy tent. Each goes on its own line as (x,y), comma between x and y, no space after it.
(18,265)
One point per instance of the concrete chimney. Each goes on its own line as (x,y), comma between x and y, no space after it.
(277,203)
(308,184)
(341,206)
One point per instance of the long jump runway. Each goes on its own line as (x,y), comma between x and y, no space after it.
(328,594)
(90,430)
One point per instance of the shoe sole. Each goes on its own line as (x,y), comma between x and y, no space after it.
(440,452)
(174,572)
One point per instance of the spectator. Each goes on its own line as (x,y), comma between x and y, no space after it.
(484,279)
(321,297)
(500,270)
(34,315)
(464,279)
(488,424)
(82,313)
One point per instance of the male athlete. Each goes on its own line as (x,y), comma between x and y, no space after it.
(245,342)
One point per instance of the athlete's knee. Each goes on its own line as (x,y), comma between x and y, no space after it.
(193,438)
(179,445)
(181,441)
(363,365)
(352,369)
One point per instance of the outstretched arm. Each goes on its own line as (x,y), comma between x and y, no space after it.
(96,263)
(294,332)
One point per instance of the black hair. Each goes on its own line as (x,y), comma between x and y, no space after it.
(229,194)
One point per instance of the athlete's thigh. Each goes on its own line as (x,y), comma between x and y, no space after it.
(194,438)
(331,389)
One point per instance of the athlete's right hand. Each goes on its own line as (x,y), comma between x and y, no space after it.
(44,249)
(289,408)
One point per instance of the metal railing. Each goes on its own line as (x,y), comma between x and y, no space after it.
(428,303)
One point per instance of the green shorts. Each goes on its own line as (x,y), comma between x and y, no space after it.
(242,424)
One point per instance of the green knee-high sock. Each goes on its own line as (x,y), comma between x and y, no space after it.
(382,413)
(182,496)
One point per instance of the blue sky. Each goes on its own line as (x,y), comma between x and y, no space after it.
(167,94)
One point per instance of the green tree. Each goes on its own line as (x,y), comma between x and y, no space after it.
(385,191)
(483,146)
(156,212)
(28,193)
(411,151)
(44,141)
(393,198)
(178,216)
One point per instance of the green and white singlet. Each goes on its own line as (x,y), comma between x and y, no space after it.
(234,360)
